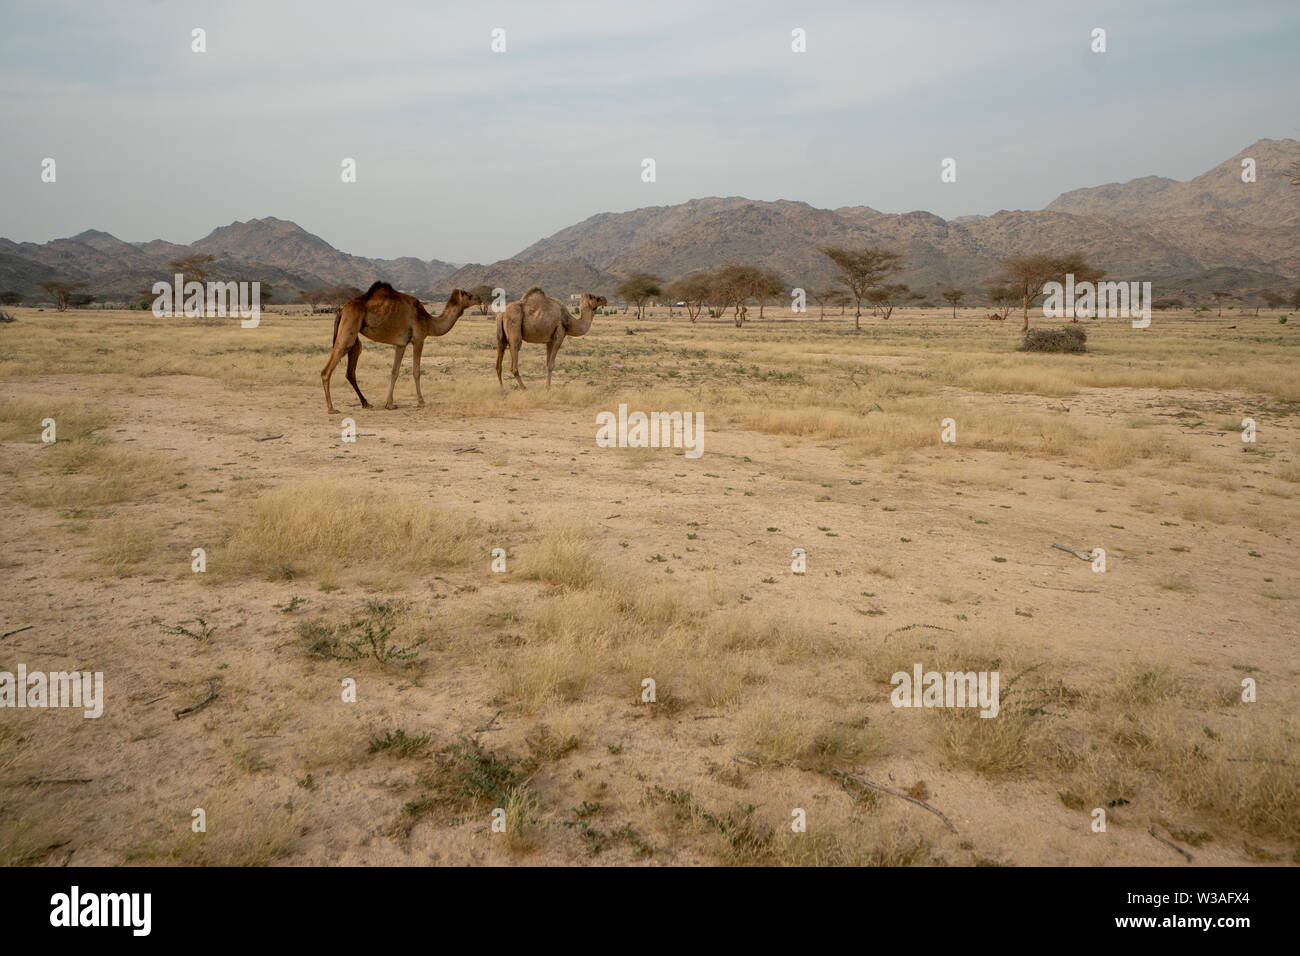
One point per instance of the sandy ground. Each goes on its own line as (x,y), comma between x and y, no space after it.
(732,517)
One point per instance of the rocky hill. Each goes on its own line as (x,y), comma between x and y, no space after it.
(274,251)
(1172,233)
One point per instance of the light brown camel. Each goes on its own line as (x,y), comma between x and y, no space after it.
(538,318)
(385,315)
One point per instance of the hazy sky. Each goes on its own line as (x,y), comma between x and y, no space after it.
(468,155)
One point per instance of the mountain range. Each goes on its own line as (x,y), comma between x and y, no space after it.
(1211,232)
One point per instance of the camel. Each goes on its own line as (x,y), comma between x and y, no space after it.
(538,318)
(997,318)
(382,314)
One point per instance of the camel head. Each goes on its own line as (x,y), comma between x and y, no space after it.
(460,299)
(581,323)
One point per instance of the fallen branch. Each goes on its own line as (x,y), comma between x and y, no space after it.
(212,693)
(908,627)
(37,781)
(488,726)
(1075,590)
(1078,554)
(1169,843)
(269,438)
(17,630)
(861,781)
(875,786)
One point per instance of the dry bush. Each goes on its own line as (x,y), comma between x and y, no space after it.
(1071,338)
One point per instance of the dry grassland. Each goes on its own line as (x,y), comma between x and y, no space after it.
(522,690)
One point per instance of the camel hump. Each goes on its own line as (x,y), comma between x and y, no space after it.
(375,287)
(533,289)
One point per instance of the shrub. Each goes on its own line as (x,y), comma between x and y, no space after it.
(1068,339)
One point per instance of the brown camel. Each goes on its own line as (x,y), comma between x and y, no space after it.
(538,318)
(385,315)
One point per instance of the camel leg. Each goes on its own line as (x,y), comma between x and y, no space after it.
(354,353)
(398,352)
(501,351)
(552,349)
(416,348)
(343,342)
(514,360)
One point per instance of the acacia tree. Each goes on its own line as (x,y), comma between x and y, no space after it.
(194,268)
(886,298)
(60,292)
(1273,300)
(1219,296)
(1003,298)
(1028,274)
(861,270)
(638,288)
(824,297)
(313,297)
(952,297)
(693,290)
(767,285)
(734,285)
(484,293)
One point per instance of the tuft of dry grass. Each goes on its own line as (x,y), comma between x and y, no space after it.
(563,557)
(121,544)
(322,526)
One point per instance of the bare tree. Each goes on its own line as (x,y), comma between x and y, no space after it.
(863,269)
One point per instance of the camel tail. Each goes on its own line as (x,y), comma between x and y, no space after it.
(338,317)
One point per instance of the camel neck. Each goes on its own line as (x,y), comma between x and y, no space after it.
(581,324)
(441,324)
